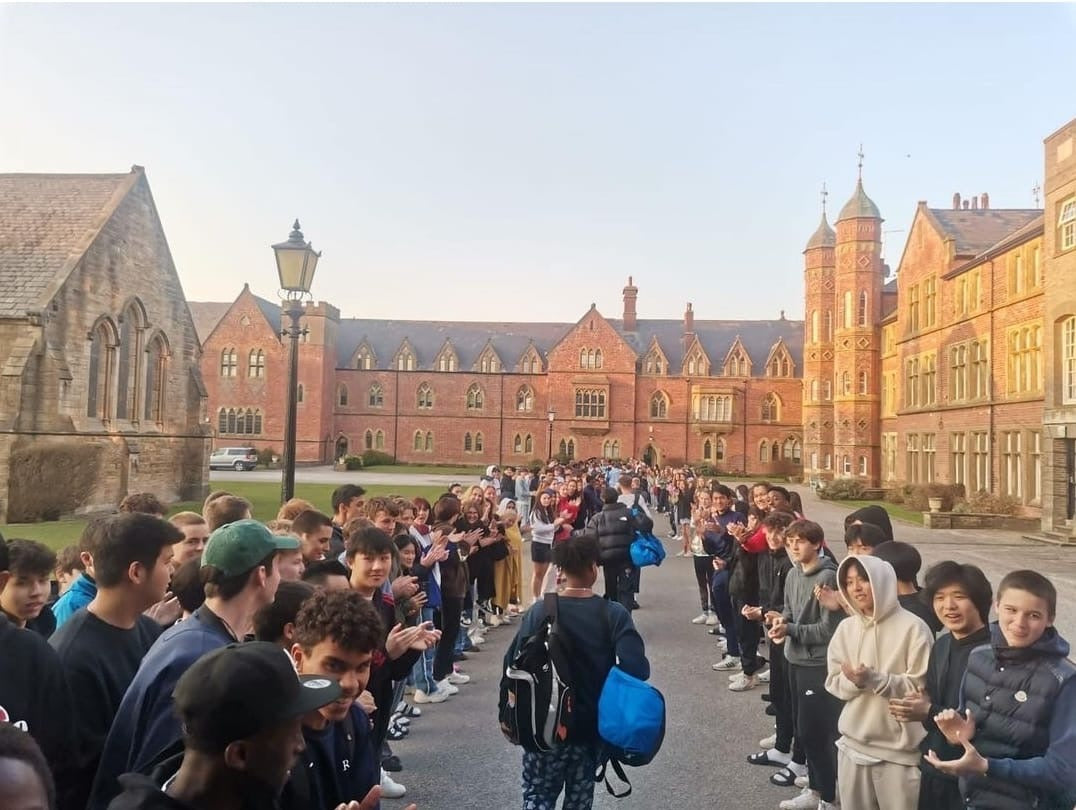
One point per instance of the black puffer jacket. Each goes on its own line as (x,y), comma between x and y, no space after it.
(615,528)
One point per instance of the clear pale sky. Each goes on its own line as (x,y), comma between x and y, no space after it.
(488,162)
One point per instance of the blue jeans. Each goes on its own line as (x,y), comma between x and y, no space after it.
(422,672)
(722,602)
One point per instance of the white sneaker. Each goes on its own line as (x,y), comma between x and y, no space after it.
(700,619)
(722,646)
(763,677)
(448,688)
(743,683)
(436,696)
(711,619)
(828,805)
(727,664)
(390,789)
(456,678)
(807,800)
(802,781)
(766,743)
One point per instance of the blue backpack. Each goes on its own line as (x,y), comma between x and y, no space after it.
(645,548)
(631,721)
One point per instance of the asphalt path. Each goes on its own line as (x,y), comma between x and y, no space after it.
(456,757)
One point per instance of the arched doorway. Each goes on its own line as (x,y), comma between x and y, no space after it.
(651,456)
(341,447)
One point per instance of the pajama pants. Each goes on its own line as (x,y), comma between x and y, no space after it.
(567,768)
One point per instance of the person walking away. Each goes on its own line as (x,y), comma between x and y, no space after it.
(570,767)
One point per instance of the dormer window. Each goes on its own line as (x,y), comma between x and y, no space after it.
(696,364)
(488,362)
(737,365)
(405,359)
(364,358)
(446,359)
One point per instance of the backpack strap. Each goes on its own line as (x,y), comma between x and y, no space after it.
(601,776)
(549,602)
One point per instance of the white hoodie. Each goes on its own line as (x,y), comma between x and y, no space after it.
(895,645)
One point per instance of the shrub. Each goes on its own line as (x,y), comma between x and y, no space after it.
(353,462)
(265,457)
(895,496)
(983,502)
(707,469)
(373,458)
(842,489)
(916,496)
(47,480)
(536,465)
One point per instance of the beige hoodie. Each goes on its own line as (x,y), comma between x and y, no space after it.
(895,645)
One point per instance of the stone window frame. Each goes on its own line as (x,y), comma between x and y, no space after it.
(375,396)
(659,405)
(475,399)
(770,408)
(1066,224)
(424,396)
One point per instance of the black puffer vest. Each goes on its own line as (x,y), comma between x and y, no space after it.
(1011,693)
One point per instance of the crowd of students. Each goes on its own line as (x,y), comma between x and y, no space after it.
(209,652)
(873,705)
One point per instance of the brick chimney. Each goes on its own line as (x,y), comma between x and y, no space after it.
(974,203)
(956,201)
(689,320)
(967,205)
(986,201)
(631,293)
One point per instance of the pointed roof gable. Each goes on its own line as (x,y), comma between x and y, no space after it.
(693,346)
(206,315)
(737,347)
(47,223)
(780,348)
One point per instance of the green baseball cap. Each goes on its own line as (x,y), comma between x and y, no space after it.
(236,548)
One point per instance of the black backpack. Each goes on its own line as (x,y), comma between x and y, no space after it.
(537,704)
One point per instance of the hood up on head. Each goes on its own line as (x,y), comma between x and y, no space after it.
(873,514)
(883,581)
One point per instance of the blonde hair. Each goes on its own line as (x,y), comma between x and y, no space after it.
(181,519)
(280,526)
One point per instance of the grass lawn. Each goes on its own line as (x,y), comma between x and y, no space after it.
(429,469)
(895,510)
(264,495)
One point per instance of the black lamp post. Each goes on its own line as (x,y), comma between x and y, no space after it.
(551,416)
(296,261)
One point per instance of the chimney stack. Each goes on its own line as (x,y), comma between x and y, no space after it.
(956,201)
(974,203)
(689,320)
(966,205)
(986,201)
(631,293)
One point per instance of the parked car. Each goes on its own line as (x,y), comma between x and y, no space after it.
(233,458)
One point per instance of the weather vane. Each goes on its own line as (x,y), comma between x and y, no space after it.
(1036,190)
(824,195)
(861,156)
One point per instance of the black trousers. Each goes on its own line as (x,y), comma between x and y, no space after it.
(618,584)
(480,573)
(704,569)
(749,634)
(817,712)
(451,610)
(938,793)
(781,700)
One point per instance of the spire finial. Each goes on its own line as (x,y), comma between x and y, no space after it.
(861,156)
(824,195)
(1037,190)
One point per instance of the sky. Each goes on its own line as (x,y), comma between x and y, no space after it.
(519,162)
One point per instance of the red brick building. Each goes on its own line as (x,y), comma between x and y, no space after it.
(726,392)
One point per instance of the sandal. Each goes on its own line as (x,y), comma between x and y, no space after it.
(763,758)
(783,778)
(396,732)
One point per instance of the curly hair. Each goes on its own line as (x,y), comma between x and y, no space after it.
(145,502)
(345,617)
(18,745)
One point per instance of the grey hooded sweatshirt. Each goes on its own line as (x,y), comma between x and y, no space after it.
(810,626)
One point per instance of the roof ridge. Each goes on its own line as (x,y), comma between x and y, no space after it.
(69,175)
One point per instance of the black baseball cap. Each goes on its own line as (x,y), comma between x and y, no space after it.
(241,690)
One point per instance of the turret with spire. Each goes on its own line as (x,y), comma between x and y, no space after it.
(819,268)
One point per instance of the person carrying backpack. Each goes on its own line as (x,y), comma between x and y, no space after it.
(614,528)
(599,635)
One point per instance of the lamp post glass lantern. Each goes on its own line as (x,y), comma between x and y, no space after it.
(296,261)
(552,415)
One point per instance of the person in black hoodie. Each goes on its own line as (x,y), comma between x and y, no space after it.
(906,562)
(873,514)
(614,528)
(25,592)
(241,707)
(960,596)
(34,695)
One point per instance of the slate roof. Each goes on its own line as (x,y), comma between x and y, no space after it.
(47,222)
(823,237)
(386,337)
(271,312)
(717,338)
(510,340)
(859,206)
(976,230)
(206,316)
